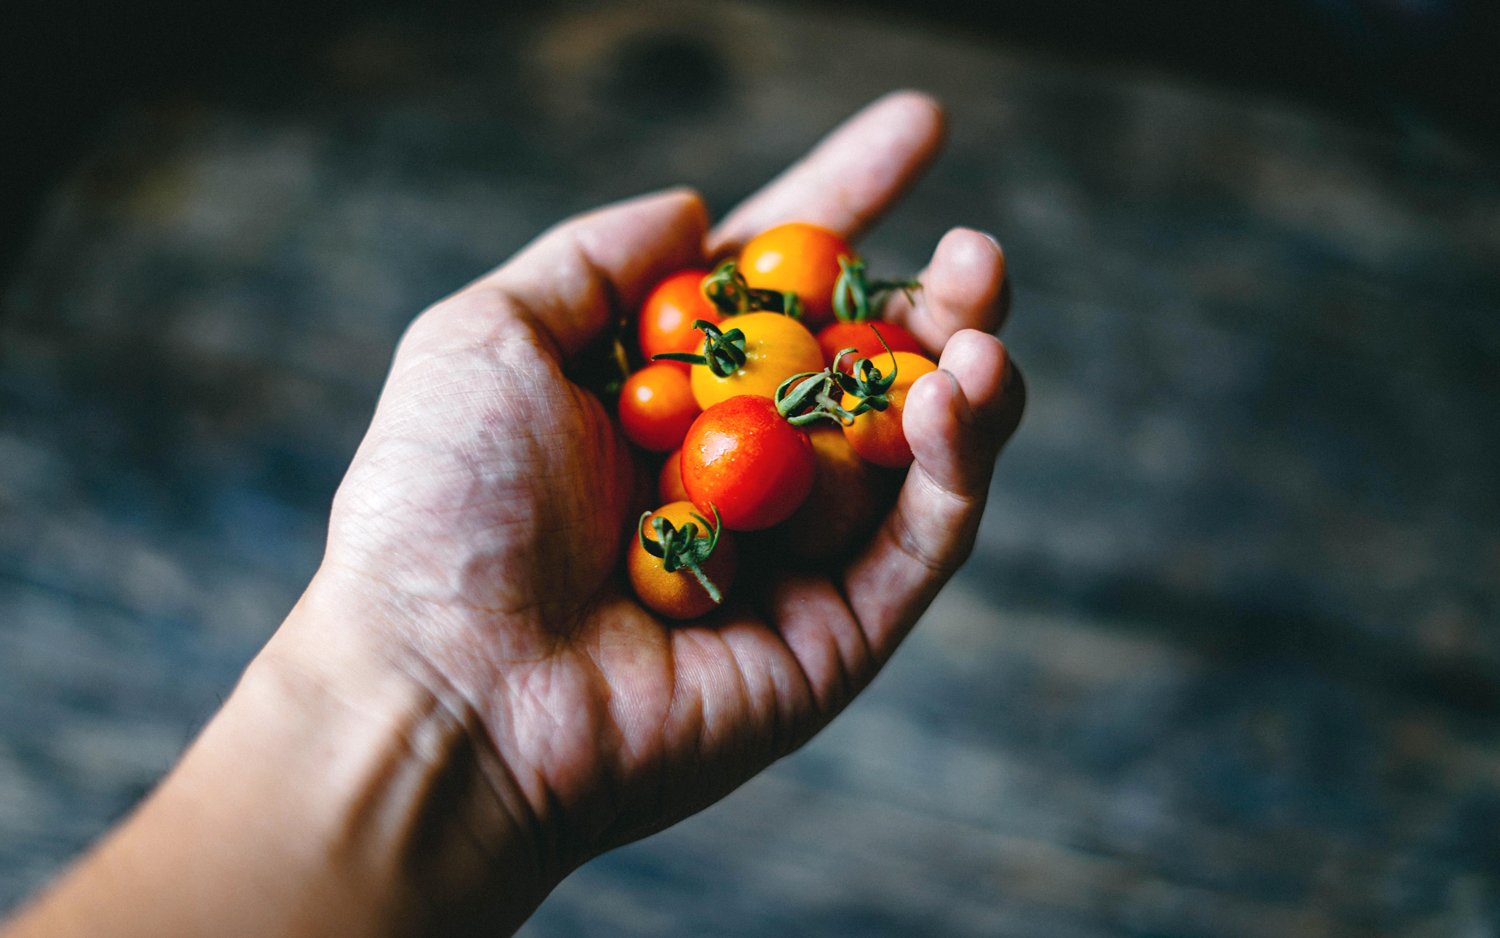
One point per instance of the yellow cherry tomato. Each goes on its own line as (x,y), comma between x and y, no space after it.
(679,593)
(877,435)
(848,499)
(776,347)
(799,258)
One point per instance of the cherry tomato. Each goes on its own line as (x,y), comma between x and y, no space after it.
(678,593)
(861,336)
(776,347)
(798,258)
(669,486)
(742,458)
(849,497)
(666,320)
(877,435)
(657,407)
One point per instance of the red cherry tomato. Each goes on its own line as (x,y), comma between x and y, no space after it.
(678,593)
(861,336)
(878,435)
(799,258)
(742,458)
(849,497)
(666,320)
(657,407)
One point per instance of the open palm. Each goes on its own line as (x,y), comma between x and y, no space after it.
(481,524)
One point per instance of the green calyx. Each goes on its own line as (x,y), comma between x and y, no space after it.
(732,296)
(812,396)
(818,395)
(683,548)
(723,352)
(856,298)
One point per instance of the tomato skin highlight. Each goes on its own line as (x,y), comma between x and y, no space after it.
(776,347)
(849,497)
(799,258)
(669,487)
(742,458)
(877,435)
(657,406)
(678,594)
(666,319)
(860,336)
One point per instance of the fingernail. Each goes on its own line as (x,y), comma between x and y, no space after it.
(997,256)
(961,409)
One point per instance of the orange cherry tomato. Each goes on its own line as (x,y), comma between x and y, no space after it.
(776,347)
(669,487)
(678,593)
(848,498)
(799,258)
(745,460)
(657,407)
(861,336)
(666,320)
(877,435)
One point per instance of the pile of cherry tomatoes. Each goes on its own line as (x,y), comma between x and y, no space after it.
(779,400)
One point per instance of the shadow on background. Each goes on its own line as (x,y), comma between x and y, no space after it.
(1428,63)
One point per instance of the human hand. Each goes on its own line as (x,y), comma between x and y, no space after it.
(467,702)
(475,542)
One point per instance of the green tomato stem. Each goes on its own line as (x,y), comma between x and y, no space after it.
(682,548)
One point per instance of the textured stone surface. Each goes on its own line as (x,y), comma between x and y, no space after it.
(1226,662)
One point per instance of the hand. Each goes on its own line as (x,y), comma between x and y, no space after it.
(482,521)
(467,702)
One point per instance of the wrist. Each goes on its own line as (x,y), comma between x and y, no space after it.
(404,792)
(332,794)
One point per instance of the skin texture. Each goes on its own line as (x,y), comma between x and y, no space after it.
(466,702)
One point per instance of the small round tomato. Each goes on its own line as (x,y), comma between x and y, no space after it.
(657,407)
(877,435)
(775,347)
(669,486)
(848,498)
(799,258)
(744,460)
(861,337)
(691,568)
(667,316)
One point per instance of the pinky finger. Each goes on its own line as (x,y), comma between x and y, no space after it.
(958,419)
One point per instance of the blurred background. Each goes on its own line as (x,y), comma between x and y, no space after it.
(1227,658)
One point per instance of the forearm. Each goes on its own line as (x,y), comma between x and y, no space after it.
(355,807)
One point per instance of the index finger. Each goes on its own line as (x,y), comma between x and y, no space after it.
(849,179)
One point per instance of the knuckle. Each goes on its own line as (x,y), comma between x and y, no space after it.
(930,546)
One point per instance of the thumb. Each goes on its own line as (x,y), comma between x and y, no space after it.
(580,274)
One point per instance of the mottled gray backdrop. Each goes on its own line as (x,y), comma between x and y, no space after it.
(1227,658)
